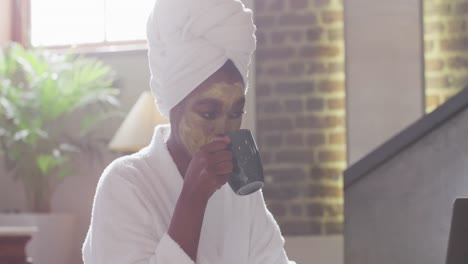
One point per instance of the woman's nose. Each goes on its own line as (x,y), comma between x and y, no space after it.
(226,126)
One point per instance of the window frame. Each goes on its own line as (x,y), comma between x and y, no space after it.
(21,32)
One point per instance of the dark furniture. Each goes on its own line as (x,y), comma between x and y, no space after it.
(13,241)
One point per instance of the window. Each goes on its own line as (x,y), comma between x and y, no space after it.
(78,22)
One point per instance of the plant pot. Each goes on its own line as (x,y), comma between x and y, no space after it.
(53,241)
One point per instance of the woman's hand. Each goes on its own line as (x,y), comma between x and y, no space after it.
(210,168)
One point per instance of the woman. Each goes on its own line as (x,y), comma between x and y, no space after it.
(169,203)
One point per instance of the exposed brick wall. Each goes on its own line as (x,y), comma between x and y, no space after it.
(301,112)
(446,49)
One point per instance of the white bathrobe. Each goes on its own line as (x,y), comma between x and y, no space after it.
(134,203)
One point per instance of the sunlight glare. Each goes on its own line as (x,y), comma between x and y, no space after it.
(125,20)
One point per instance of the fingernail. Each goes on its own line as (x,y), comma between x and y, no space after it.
(225,139)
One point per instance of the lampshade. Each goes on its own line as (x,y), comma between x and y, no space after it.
(137,129)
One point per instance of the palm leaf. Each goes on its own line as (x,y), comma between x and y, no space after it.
(39,92)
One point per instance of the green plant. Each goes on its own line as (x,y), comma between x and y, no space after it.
(42,94)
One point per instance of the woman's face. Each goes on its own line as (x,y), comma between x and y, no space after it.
(213,109)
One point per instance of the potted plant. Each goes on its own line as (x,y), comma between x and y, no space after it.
(43,95)
(40,92)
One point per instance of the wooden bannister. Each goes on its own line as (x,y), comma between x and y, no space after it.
(13,241)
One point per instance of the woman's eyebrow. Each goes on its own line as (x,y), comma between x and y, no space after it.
(209,101)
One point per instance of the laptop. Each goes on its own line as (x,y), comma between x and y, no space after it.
(457,250)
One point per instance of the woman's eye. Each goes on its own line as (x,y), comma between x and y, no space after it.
(235,115)
(209,115)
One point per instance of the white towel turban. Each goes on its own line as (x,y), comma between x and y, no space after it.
(189,40)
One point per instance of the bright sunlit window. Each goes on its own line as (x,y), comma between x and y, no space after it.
(68,23)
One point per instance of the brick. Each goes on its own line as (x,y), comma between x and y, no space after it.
(286,175)
(265,21)
(278,37)
(456,26)
(276,5)
(327,191)
(337,138)
(336,67)
(334,210)
(296,68)
(336,104)
(293,106)
(434,65)
(462,8)
(428,46)
(458,63)
(269,107)
(274,53)
(319,174)
(277,209)
(274,140)
(310,121)
(332,86)
(433,9)
(266,157)
(336,34)
(282,193)
(315,139)
(333,228)
(260,7)
(276,70)
(314,34)
(297,19)
(432,101)
(315,104)
(294,87)
(317,122)
(332,16)
(295,139)
(294,156)
(261,38)
(455,44)
(260,71)
(436,27)
(321,3)
(318,68)
(338,120)
(437,82)
(335,121)
(448,96)
(274,124)
(301,228)
(325,51)
(296,210)
(298,4)
(296,36)
(263,90)
(332,156)
(315,209)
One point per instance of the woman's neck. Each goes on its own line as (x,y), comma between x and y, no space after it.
(179,154)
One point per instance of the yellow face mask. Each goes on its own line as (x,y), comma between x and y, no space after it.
(211,112)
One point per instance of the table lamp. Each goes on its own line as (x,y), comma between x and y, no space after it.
(136,130)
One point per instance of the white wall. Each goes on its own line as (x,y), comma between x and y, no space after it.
(401,211)
(315,249)
(4,21)
(384,70)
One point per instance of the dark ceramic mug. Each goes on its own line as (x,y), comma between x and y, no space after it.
(247,175)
